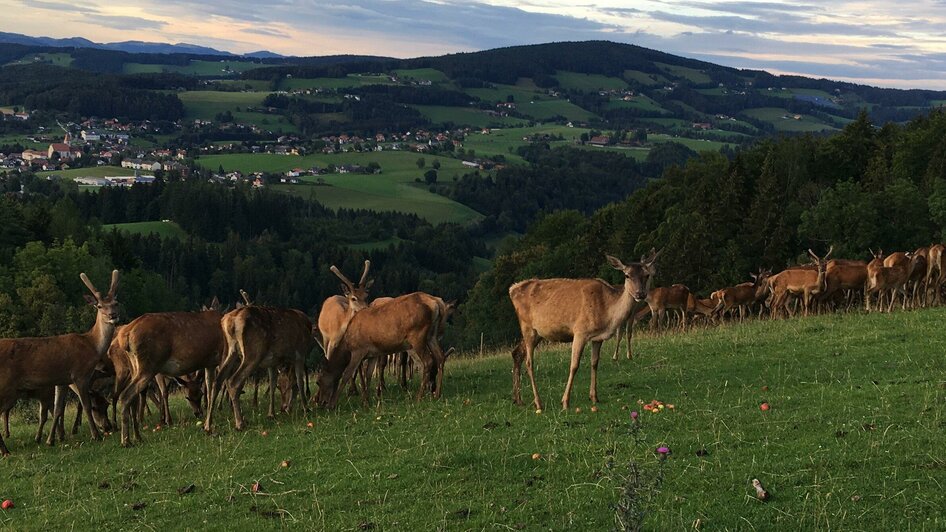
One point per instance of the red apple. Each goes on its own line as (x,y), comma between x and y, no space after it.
(764,407)
(7,504)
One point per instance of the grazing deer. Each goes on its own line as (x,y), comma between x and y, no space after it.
(575,310)
(30,365)
(337,311)
(260,338)
(916,284)
(793,282)
(408,322)
(663,298)
(936,273)
(842,276)
(742,296)
(172,344)
(887,276)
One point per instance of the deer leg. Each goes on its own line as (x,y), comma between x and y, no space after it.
(617,344)
(271,412)
(6,424)
(77,422)
(43,412)
(347,375)
(529,341)
(130,399)
(86,400)
(578,345)
(227,366)
(434,349)
(518,353)
(301,382)
(59,407)
(629,333)
(163,392)
(595,354)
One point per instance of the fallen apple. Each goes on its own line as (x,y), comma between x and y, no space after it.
(764,407)
(536,456)
(7,504)
(594,408)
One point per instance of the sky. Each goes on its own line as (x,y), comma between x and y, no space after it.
(884,43)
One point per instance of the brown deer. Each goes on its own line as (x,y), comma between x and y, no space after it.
(742,296)
(337,311)
(663,298)
(408,322)
(887,276)
(29,365)
(260,338)
(936,274)
(172,344)
(577,311)
(794,282)
(916,284)
(844,277)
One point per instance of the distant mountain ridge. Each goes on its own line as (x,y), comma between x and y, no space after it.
(135,47)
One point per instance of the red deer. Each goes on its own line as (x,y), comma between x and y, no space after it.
(842,276)
(577,311)
(408,322)
(742,296)
(172,344)
(916,285)
(887,275)
(936,273)
(260,338)
(30,365)
(337,311)
(793,282)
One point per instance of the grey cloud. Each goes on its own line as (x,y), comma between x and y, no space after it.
(59,6)
(782,24)
(266,31)
(125,23)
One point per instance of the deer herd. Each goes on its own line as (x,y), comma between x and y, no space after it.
(212,353)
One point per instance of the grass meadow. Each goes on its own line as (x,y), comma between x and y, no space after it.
(163,229)
(853,440)
(392,190)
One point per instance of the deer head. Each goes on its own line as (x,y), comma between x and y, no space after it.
(637,275)
(357,295)
(107,305)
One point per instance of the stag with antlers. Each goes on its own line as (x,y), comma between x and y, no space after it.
(806,282)
(32,365)
(577,311)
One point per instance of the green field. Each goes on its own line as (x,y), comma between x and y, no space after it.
(502,93)
(639,101)
(58,59)
(352,80)
(95,171)
(646,79)
(23,141)
(392,190)
(853,441)
(690,74)
(421,74)
(164,229)
(545,110)
(775,116)
(440,114)
(206,105)
(202,68)
(696,145)
(505,141)
(588,82)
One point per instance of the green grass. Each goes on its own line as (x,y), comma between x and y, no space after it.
(206,105)
(648,80)
(23,141)
(392,190)
(690,74)
(545,110)
(58,59)
(639,101)
(95,171)
(440,114)
(588,82)
(420,74)
(501,93)
(775,114)
(352,80)
(505,141)
(853,441)
(697,145)
(164,229)
(194,68)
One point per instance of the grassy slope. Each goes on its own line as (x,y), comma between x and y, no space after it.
(774,115)
(145,228)
(392,190)
(95,171)
(853,441)
(206,105)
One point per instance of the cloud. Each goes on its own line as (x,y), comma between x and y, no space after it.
(266,31)
(122,22)
(59,6)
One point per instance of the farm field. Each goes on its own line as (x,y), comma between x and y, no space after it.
(588,82)
(644,78)
(696,145)
(441,114)
(352,80)
(690,74)
(206,105)
(195,68)
(853,440)
(57,59)
(163,229)
(392,190)
(95,171)
(505,141)
(775,114)
(640,101)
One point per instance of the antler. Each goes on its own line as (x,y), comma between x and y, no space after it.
(364,274)
(830,250)
(341,276)
(246,297)
(113,288)
(90,286)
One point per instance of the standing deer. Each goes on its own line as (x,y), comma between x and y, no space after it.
(260,338)
(887,275)
(936,274)
(794,282)
(742,296)
(842,276)
(408,322)
(575,310)
(30,365)
(172,344)
(337,311)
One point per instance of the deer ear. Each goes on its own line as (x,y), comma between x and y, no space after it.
(368,283)
(615,262)
(90,300)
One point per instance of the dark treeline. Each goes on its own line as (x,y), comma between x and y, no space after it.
(82,94)
(276,247)
(554,179)
(717,219)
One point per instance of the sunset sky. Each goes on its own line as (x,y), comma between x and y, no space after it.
(900,44)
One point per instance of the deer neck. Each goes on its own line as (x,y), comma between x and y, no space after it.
(101,334)
(626,302)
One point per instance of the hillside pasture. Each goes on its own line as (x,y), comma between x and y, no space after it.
(777,117)
(588,82)
(94,171)
(690,74)
(206,105)
(394,189)
(645,78)
(466,116)
(196,67)
(349,81)
(506,141)
(852,441)
(163,229)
